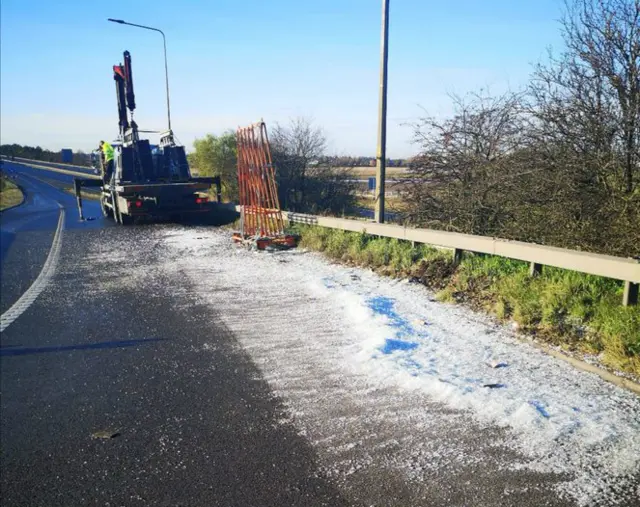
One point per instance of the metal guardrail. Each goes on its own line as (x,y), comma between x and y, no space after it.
(38,164)
(44,162)
(78,174)
(608,266)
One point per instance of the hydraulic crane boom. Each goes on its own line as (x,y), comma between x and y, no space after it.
(123,76)
(119,78)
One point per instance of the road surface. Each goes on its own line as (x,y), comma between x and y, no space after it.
(161,365)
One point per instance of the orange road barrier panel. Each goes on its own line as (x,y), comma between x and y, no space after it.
(261,222)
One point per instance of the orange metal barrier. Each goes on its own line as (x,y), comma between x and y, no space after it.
(261,221)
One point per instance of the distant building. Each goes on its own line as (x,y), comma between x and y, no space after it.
(66,156)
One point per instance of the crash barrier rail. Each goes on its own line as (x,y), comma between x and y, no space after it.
(608,266)
(56,167)
(45,162)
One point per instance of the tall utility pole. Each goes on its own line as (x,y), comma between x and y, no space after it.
(381,155)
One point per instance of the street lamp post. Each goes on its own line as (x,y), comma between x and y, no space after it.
(166,69)
(381,155)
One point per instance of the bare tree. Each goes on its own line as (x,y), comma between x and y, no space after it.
(306,181)
(586,104)
(464,161)
(589,97)
(300,138)
(294,147)
(556,165)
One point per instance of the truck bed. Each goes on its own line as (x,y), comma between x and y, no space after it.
(160,187)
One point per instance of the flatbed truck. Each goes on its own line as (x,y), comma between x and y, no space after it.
(141,181)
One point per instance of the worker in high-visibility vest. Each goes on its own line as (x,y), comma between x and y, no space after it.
(107,160)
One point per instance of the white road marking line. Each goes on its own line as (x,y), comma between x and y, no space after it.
(20,306)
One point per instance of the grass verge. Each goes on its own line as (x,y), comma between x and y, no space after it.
(579,312)
(10,194)
(86,194)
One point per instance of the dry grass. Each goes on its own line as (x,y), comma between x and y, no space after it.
(86,194)
(10,194)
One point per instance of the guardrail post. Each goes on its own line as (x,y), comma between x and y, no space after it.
(630,295)
(535,269)
(457,256)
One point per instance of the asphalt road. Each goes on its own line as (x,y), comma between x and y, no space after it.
(26,231)
(122,385)
(192,429)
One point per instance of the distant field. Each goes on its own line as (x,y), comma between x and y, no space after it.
(394,204)
(365,172)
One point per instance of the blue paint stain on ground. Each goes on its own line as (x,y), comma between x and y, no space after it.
(540,407)
(391,345)
(328,283)
(403,342)
(403,329)
(382,305)
(415,368)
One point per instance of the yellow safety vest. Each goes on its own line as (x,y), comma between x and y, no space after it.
(107,149)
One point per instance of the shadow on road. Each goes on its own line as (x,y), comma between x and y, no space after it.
(22,351)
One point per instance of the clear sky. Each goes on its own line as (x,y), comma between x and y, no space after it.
(232,62)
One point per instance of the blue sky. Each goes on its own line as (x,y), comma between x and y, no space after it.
(233,62)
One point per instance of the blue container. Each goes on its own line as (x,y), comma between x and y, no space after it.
(66,156)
